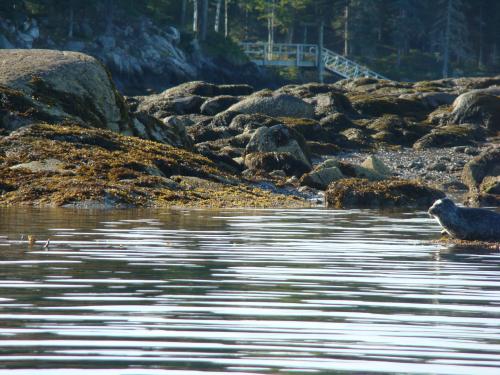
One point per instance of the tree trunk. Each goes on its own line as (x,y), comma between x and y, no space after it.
(347,44)
(183,13)
(217,16)
(204,20)
(446,41)
(226,30)
(480,60)
(321,67)
(270,31)
(71,21)
(195,16)
(290,33)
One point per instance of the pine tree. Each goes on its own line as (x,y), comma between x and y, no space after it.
(406,25)
(452,32)
(363,27)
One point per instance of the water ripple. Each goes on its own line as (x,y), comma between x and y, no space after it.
(193,292)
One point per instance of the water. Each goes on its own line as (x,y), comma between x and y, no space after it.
(242,292)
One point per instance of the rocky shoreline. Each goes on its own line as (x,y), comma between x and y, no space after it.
(68,138)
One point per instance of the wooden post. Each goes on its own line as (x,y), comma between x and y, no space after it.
(321,67)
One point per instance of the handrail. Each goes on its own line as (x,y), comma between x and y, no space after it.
(301,54)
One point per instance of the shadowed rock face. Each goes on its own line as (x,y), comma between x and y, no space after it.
(60,86)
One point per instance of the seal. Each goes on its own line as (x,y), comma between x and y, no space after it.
(473,224)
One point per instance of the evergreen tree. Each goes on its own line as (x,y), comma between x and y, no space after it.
(452,32)
(406,25)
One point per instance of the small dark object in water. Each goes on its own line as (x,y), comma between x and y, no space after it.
(466,223)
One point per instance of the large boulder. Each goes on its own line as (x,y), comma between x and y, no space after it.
(56,87)
(279,105)
(477,108)
(322,175)
(361,193)
(376,165)
(278,138)
(215,105)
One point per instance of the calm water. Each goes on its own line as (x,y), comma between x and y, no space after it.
(242,292)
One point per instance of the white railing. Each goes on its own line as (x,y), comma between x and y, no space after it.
(305,55)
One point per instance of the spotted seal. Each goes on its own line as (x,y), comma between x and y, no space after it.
(466,223)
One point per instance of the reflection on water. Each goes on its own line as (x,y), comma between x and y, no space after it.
(242,292)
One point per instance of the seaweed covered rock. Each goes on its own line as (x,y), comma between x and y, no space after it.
(477,108)
(336,122)
(451,135)
(433,99)
(357,137)
(56,86)
(278,105)
(361,193)
(250,122)
(329,103)
(481,175)
(395,130)
(71,166)
(272,161)
(372,105)
(307,90)
(279,138)
(234,89)
(310,129)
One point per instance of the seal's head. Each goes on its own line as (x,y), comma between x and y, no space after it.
(442,206)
